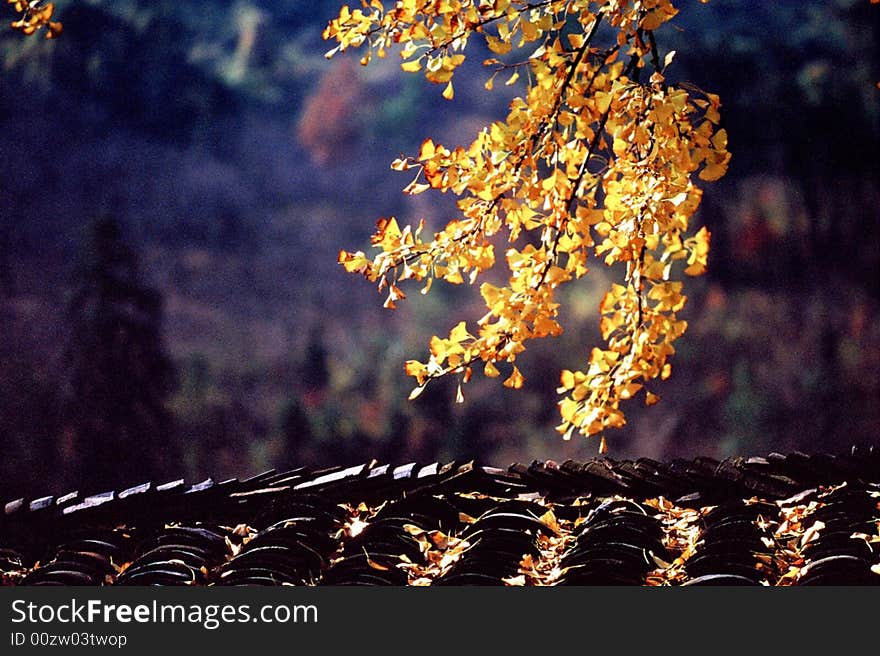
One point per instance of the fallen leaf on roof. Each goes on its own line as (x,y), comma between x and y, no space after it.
(812,533)
(439,538)
(660,562)
(355,527)
(243,531)
(548,519)
(372,563)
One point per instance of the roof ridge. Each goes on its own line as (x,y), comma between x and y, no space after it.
(698,481)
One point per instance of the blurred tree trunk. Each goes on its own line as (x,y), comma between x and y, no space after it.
(119,375)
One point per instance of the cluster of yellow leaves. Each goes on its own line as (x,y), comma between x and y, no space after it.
(799,528)
(35,15)
(440,552)
(681,535)
(596,158)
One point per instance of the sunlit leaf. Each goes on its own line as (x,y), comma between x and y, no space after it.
(491,371)
(515,381)
(373,564)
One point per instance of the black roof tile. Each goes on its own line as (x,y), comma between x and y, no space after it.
(775,520)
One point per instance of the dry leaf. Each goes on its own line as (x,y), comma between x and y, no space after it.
(242,531)
(660,562)
(372,563)
(356,527)
(440,539)
(812,533)
(548,519)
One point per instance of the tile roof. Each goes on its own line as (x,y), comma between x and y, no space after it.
(777,520)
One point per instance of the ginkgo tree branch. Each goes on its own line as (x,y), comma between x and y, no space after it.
(406,254)
(531,175)
(34,15)
(476,27)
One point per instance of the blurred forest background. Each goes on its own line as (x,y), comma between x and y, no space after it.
(176,180)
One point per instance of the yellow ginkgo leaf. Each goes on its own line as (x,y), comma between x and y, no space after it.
(515,381)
